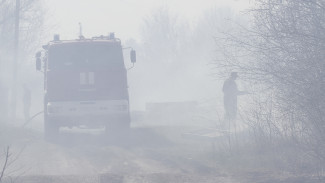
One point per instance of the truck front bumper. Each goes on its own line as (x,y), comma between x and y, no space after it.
(89,113)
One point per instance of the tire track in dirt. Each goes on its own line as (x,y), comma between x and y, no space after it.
(140,156)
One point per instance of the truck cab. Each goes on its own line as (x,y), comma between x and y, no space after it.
(85,84)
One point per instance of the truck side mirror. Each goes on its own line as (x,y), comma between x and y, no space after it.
(38,61)
(133,56)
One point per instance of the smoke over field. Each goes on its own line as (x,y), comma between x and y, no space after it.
(162,91)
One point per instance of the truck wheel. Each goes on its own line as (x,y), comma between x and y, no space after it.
(51,130)
(118,126)
(124,124)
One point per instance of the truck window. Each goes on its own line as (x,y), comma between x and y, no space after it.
(85,56)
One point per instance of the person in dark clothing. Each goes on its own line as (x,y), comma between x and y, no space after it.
(231,92)
(4,103)
(27,99)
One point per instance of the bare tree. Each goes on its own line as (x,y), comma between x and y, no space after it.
(282,56)
(5,164)
(161,35)
(31,21)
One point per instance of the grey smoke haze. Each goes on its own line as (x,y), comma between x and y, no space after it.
(178,131)
(127,19)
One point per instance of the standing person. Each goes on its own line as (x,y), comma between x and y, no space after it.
(231,92)
(27,99)
(4,103)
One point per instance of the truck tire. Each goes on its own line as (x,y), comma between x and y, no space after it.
(118,126)
(51,130)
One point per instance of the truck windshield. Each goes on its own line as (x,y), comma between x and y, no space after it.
(85,55)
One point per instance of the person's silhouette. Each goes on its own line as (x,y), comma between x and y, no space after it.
(231,92)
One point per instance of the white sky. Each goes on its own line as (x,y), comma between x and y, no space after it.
(124,17)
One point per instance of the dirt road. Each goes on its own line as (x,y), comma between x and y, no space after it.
(144,154)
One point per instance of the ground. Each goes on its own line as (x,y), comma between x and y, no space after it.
(144,154)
